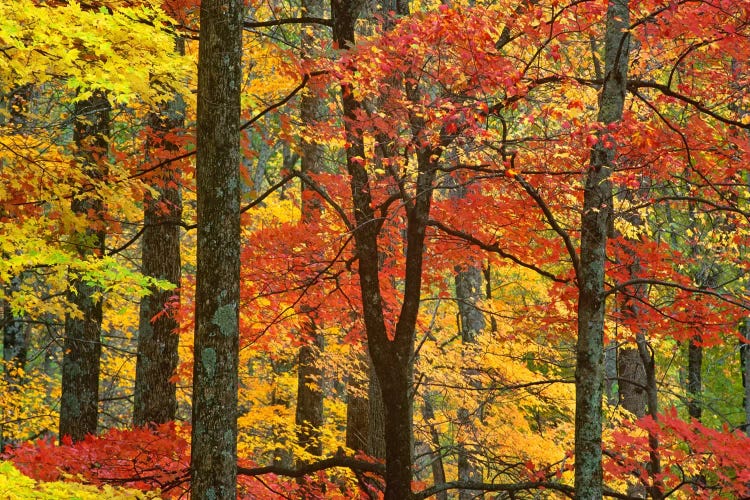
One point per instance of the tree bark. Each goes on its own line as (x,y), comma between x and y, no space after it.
(82,346)
(596,221)
(695,378)
(216,352)
(155,392)
(309,412)
(745,369)
(468,294)
(436,453)
(392,358)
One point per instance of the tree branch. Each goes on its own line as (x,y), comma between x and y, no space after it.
(494,248)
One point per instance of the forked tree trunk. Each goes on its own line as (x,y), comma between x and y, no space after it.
(392,358)
(155,392)
(596,221)
(216,352)
(82,346)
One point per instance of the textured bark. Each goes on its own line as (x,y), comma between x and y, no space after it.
(596,221)
(309,411)
(155,393)
(694,378)
(215,369)
(82,346)
(392,359)
(309,414)
(468,294)
(632,381)
(365,415)
(745,368)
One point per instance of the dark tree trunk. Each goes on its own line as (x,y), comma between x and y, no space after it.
(15,341)
(392,358)
(216,351)
(309,413)
(82,345)
(745,369)
(596,221)
(694,378)
(155,393)
(365,415)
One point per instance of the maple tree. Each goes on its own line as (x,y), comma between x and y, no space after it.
(490,214)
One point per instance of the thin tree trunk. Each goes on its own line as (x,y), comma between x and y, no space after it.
(155,392)
(596,221)
(695,378)
(468,294)
(216,352)
(436,454)
(82,345)
(745,369)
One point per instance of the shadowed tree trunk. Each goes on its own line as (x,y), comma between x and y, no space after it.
(15,339)
(468,294)
(695,378)
(365,415)
(596,221)
(217,294)
(392,358)
(82,346)
(309,412)
(155,393)
(15,328)
(745,369)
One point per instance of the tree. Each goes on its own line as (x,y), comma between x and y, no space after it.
(79,405)
(155,391)
(309,412)
(216,345)
(596,220)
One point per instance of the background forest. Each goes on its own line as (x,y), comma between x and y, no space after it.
(360,249)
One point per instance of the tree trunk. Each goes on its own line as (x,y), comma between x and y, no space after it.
(216,352)
(468,294)
(694,378)
(309,413)
(392,358)
(15,341)
(436,453)
(365,415)
(596,221)
(632,381)
(155,393)
(82,346)
(745,369)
